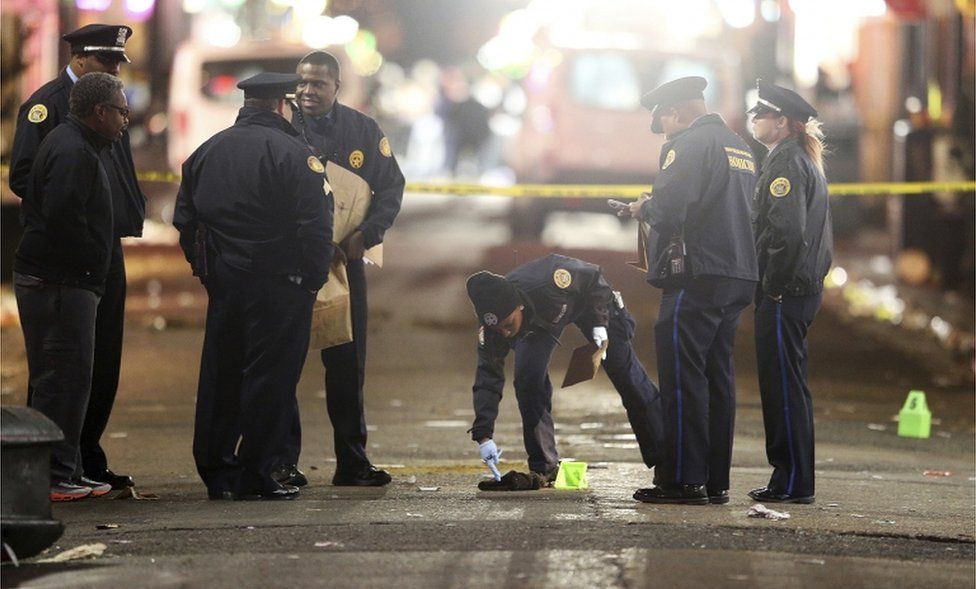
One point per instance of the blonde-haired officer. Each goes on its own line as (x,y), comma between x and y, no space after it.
(791,222)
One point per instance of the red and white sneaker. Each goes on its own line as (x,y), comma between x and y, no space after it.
(65,491)
(98,488)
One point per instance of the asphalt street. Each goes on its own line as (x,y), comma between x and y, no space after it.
(879,520)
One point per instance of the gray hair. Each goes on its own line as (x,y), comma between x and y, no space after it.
(91,90)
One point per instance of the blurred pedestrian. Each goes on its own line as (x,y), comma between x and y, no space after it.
(61,265)
(526,311)
(701,254)
(254,213)
(94,48)
(354,141)
(791,221)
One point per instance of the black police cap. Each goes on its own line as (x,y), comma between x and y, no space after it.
(782,101)
(97,38)
(675,91)
(493,296)
(269,85)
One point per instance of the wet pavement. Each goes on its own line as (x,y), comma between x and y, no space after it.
(878,519)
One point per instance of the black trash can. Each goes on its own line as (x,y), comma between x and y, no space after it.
(26,524)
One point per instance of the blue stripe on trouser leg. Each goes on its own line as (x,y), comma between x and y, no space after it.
(785,392)
(677,384)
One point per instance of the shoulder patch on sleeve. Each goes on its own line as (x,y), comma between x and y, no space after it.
(780,187)
(385,147)
(668,160)
(562,278)
(37,114)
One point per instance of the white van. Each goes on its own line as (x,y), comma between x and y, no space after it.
(203,94)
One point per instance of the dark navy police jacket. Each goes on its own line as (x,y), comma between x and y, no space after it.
(354,141)
(704,190)
(791,220)
(556,291)
(267,211)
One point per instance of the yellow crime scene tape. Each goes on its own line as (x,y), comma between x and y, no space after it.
(625,190)
(620,190)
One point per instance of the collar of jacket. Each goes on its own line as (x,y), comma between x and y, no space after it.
(712,118)
(250,115)
(782,146)
(66,78)
(324,122)
(98,141)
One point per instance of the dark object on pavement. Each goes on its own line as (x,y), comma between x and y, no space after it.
(26,524)
(673,494)
(767,495)
(283,492)
(515,481)
(368,477)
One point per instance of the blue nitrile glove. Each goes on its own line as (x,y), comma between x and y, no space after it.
(490,455)
(600,338)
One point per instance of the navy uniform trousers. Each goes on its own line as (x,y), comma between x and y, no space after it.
(345,376)
(254,348)
(781,349)
(695,335)
(533,391)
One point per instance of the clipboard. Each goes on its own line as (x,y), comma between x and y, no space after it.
(584,364)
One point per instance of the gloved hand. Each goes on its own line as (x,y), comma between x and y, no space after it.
(599,338)
(490,454)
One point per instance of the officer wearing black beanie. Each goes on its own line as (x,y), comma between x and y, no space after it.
(526,311)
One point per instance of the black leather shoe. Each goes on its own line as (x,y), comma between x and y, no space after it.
(118,481)
(221,495)
(367,477)
(283,492)
(288,474)
(718,496)
(673,494)
(767,495)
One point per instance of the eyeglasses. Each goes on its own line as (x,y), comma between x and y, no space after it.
(122,110)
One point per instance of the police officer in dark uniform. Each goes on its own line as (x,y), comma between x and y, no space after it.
(526,311)
(354,141)
(94,48)
(255,218)
(701,254)
(791,221)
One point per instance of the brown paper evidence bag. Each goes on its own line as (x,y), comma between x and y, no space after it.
(332,313)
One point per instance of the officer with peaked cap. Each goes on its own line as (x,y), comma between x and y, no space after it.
(255,214)
(791,222)
(94,48)
(701,254)
(526,311)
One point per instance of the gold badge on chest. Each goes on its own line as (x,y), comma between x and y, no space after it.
(562,278)
(357,159)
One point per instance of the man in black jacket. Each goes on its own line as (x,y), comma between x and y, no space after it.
(354,141)
(61,265)
(702,256)
(254,213)
(791,219)
(94,48)
(526,311)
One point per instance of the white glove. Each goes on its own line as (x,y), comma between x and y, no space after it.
(490,454)
(600,338)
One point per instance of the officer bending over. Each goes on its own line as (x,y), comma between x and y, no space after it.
(791,220)
(526,311)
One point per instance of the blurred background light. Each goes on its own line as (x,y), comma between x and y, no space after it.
(738,14)
(93,5)
(139,10)
(194,6)
(309,8)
